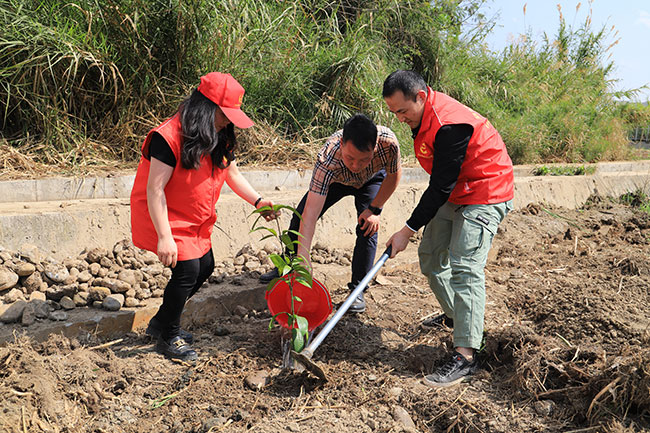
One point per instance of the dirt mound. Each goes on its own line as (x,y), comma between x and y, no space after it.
(567,349)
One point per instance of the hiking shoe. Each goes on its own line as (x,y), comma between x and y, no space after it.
(452,372)
(439,321)
(176,348)
(270,275)
(359,304)
(154,329)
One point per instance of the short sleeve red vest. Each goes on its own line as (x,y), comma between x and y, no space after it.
(486,176)
(191,197)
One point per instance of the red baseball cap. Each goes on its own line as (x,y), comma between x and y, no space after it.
(227,93)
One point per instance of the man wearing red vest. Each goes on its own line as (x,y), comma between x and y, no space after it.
(470,191)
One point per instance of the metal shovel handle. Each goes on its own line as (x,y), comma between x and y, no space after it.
(308,352)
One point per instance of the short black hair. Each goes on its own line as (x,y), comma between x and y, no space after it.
(408,82)
(361,131)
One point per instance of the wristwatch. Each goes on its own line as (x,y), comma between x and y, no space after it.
(374,210)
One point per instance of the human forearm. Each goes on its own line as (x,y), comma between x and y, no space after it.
(157,205)
(240,186)
(387,188)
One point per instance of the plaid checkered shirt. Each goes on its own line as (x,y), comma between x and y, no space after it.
(329,167)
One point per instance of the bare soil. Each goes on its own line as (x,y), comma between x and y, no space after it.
(567,349)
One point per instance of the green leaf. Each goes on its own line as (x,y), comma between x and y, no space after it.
(278,261)
(286,240)
(268,229)
(303,325)
(297,233)
(297,340)
(297,299)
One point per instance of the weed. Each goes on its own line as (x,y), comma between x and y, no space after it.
(576,170)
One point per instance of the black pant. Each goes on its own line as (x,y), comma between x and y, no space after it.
(365,248)
(187,278)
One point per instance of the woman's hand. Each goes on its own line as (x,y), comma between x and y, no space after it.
(268,215)
(167,251)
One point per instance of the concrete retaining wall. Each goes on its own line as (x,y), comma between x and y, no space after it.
(64,226)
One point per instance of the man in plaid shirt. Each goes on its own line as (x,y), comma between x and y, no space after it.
(361,160)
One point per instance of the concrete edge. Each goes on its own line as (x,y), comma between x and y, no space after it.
(64,188)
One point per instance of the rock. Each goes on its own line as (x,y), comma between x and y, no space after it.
(210,425)
(56,273)
(13,296)
(55,293)
(80,299)
(5,257)
(257,380)
(94,269)
(221,331)
(40,296)
(544,407)
(106,262)
(29,316)
(158,293)
(32,282)
(67,303)
(148,257)
(8,278)
(239,280)
(131,302)
(252,264)
(382,281)
(96,254)
(246,249)
(30,253)
(240,311)
(24,269)
(239,260)
(59,316)
(113,302)
(84,277)
(102,272)
(154,269)
(41,308)
(396,391)
(14,312)
(127,276)
(402,417)
(98,293)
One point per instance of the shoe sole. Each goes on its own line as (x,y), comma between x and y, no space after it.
(189,358)
(432,384)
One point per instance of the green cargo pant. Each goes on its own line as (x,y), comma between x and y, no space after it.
(453,253)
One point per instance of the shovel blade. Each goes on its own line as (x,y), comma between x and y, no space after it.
(309,365)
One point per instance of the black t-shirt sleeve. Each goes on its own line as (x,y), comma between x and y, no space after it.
(450,147)
(159,149)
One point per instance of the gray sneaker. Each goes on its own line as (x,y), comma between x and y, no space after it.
(439,321)
(454,371)
(359,305)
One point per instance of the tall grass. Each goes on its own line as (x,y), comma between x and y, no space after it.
(81,81)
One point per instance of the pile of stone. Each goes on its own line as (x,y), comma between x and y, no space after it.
(322,253)
(247,261)
(36,287)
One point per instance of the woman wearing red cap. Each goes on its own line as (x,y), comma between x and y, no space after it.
(184,163)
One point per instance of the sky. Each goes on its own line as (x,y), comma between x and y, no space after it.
(631,18)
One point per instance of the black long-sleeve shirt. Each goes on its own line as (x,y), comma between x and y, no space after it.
(448,155)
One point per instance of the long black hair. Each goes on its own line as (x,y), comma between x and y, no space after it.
(200,136)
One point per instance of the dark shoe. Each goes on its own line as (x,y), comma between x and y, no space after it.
(154,329)
(452,372)
(176,348)
(359,305)
(439,321)
(270,275)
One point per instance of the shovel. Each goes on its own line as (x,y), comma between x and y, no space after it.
(304,357)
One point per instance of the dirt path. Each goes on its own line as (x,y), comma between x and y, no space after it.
(568,333)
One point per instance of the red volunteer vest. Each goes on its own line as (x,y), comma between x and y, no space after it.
(191,198)
(486,176)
